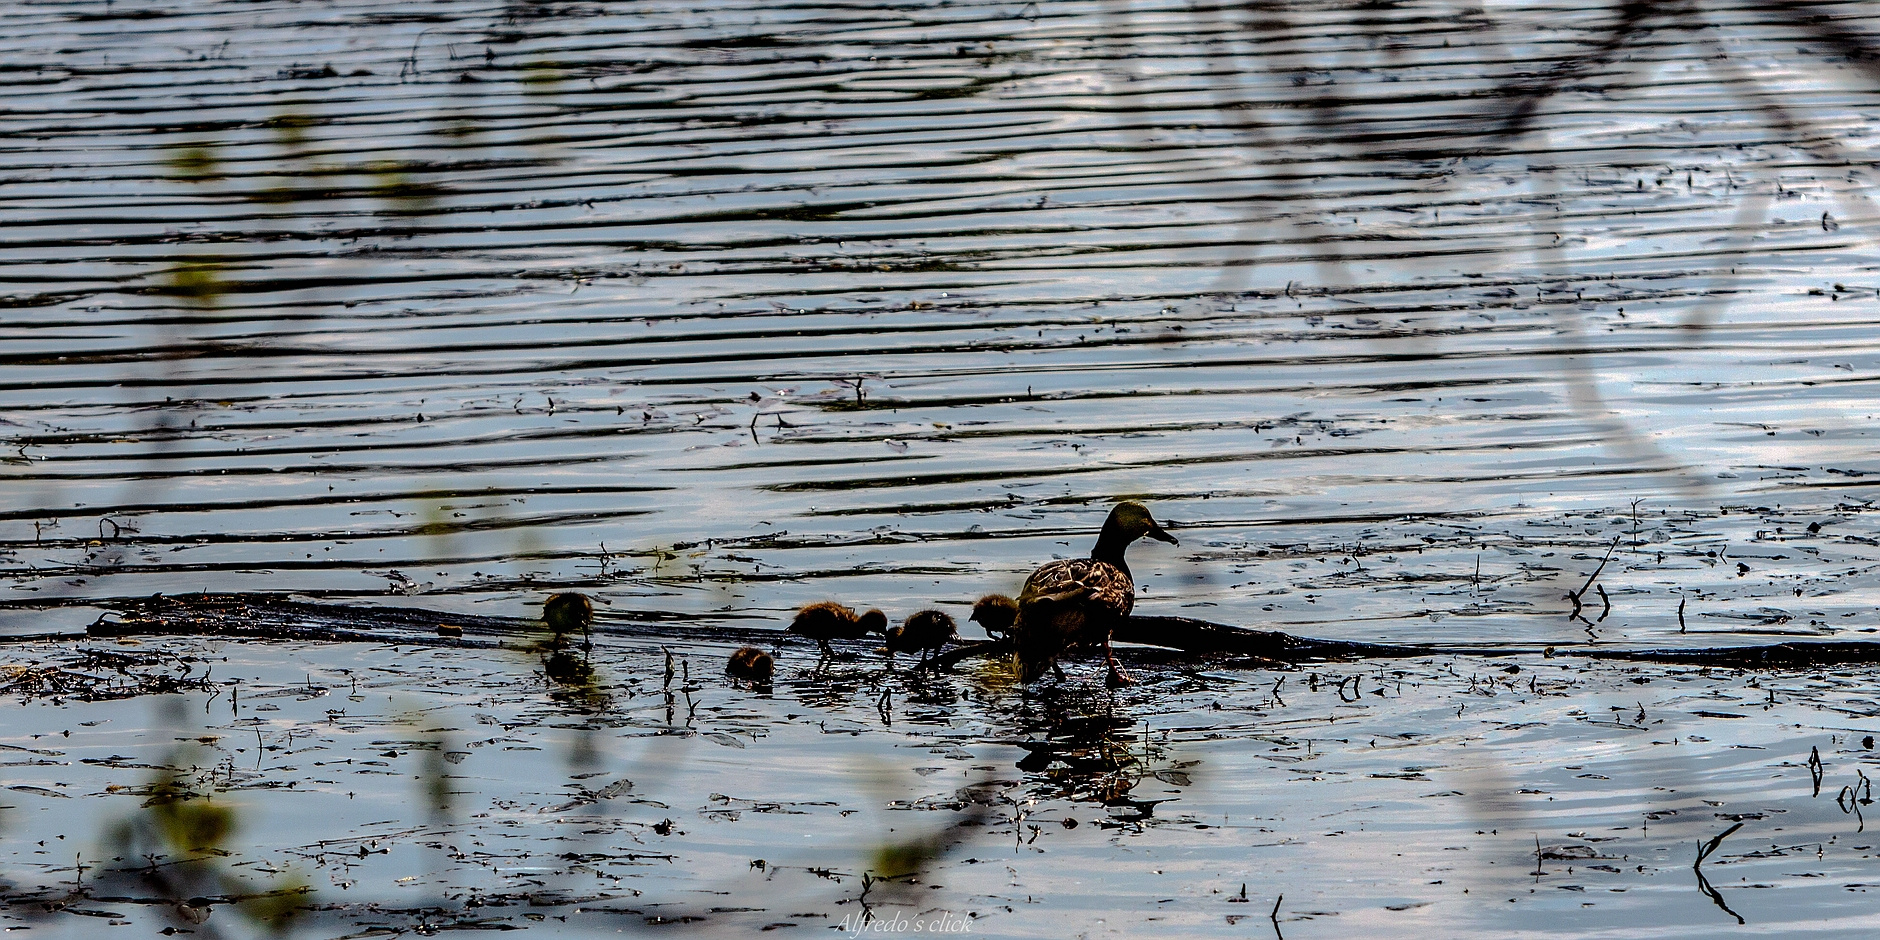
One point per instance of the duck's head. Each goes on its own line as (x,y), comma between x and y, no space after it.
(1130,520)
(874,621)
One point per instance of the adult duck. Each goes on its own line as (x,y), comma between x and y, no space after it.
(1079,601)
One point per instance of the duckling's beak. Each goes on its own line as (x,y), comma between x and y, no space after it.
(1157,532)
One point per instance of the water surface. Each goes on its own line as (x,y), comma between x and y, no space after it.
(1401,316)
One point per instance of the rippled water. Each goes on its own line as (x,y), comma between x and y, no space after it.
(729,310)
(1401,315)
(423,789)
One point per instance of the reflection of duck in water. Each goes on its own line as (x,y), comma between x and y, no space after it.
(1080,747)
(1079,601)
(924,633)
(827,620)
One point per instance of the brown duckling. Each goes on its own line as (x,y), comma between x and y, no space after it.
(567,612)
(924,633)
(1079,601)
(827,620)
(751,664)
(995,613)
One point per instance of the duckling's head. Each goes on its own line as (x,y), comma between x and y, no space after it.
(751,663)
(1131,521)
(873,621)
(900,640)
(568,612)
(995,613)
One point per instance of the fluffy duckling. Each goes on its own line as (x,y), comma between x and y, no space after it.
(924,633)
(1079,601)
(827,620)
(567,612)
(995,613)
(751,664)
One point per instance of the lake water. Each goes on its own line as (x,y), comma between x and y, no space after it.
(1401,316)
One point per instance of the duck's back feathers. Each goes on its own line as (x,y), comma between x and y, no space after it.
(751,664)
(827,620)
(1075,602)
(924,631)
(566,614)
(1101,588)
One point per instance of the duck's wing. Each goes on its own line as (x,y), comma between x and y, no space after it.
(1099,587)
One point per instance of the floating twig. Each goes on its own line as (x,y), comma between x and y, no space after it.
(1577,597)
(1704,849)
(1703,883)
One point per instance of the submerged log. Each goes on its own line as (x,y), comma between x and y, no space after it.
(270,617)
(1794,655)
(1202,636)
(273,617)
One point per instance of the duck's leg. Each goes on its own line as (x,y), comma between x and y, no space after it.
(1117,676)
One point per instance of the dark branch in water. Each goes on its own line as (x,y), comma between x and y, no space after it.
(1579,597)
(262,616)
(1703,884)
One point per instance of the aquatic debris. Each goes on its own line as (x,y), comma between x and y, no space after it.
(1703,883)
(98,675)
(274,617)
(1578,597)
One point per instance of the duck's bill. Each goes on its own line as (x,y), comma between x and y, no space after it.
(1157,532)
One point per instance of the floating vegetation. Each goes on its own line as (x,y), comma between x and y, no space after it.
(90,674)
